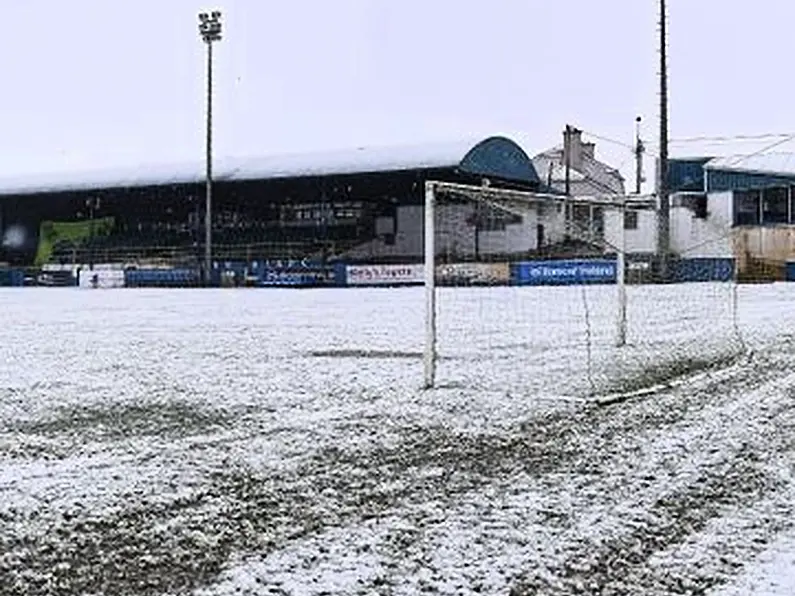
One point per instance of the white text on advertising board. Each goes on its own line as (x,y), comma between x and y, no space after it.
(577,270)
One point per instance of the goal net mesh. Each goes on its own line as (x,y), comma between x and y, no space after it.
(527,301)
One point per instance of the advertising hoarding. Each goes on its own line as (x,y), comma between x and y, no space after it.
(384,275)
(473,274)
(564,272)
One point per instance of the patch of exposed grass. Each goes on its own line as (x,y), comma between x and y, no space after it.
(357,353)
(126,420)
(177,545)
(666,373)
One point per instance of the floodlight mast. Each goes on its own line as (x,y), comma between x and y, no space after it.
(210,32)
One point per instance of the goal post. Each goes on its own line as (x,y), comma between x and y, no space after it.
(429,355)
(519,203)
(621,288)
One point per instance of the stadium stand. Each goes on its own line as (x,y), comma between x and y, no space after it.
(364,204)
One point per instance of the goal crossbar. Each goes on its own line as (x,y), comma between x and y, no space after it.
(518,201)
(491,193)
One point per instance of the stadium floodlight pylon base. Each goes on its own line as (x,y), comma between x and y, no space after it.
(519,202)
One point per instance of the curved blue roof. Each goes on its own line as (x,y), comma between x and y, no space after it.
(499,157)
(495,157)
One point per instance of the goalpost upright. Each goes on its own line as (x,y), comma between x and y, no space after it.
(508,198)
(429,356)
(621,288)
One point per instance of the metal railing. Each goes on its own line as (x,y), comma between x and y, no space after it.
(133,254)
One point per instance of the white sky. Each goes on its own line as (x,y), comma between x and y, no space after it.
(93,83)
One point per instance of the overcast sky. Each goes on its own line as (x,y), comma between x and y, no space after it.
(92,83)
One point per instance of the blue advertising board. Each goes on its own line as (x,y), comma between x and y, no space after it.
(563,272)
(703,269)
(296,276)
(169,278)
(12,277)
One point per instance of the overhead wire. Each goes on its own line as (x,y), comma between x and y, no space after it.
(732,138)
(742,158)
(781,138)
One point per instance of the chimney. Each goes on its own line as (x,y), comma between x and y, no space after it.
(589,150)
(574,146)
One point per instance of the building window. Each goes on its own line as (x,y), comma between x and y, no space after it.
(775,205)
(630,220)
(747,208)
(598,221)
(581,215)
(700,206)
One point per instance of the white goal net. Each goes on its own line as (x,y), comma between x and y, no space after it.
(540,294)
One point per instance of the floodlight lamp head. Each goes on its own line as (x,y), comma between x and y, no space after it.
(210,26)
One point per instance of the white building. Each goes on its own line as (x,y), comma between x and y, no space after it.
(587,176)
(736,207)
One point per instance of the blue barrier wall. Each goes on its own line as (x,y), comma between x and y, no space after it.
(12,278)
(549,272)
(790,271)
(161,278)
(704,269)
(340,274)
(563,272)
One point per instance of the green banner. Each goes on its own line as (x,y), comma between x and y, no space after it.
(73,232)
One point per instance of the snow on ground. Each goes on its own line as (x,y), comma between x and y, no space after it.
(276,441)
(772,574)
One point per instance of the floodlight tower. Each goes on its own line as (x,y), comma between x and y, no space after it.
(210,31)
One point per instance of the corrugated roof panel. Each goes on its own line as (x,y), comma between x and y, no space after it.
(778,164)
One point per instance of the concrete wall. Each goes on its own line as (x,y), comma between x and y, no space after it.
(553,218)
(642,240)
(454,235)
(774,245)
(519,237)
(693,237)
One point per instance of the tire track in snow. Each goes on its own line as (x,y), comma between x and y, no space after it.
(687,478)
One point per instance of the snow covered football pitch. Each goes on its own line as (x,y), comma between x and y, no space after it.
(276,442)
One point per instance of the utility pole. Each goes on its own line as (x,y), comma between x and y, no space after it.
(663,221)
(210,31)
(567,157)
(639,150)
(567,211)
